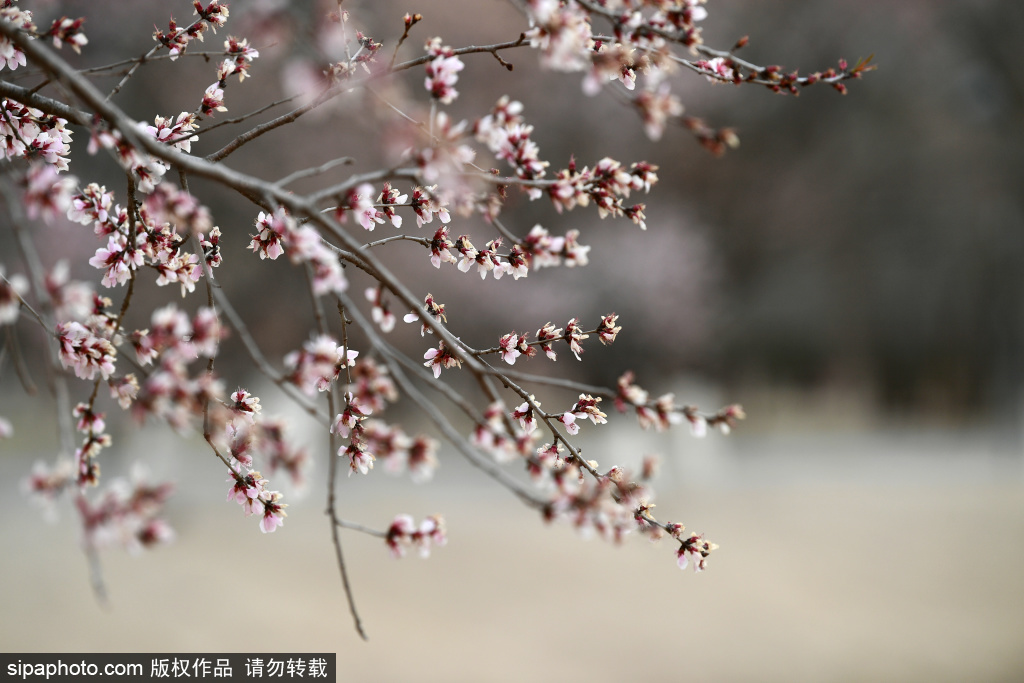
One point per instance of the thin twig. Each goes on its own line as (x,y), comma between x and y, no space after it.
(310,172)
(332,477)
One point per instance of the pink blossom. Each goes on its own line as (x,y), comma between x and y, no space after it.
(422,458)
(240,49)
(439,358)
(246,405)
(487,260)
(247,489)
(569,420)
(381,311)
(177,133)
(85,352)
(562,33)
(117,259)
(282,454)
(89,422)
(148,172)
(354,412)
(508,345)
(657,107)
(573,336)
(45,484)
(176,39)
(215,14)
(388,198)
(91,205)
(546,335)
(698,426)
(433,308)
(439,248)
(47,193)
(467,251)
(518,262)
(696,547)
(372,385)
(272,228)
(361,202)
(442,72)
(360,460)
(213,100)
(719,69)
(425,204)
(305,246)
(124,390)
(207,332)
(525,414)
(72,300)
(490,128)
(607,331)
(181,268)
(318,364)
(586,407)
(447,156)
(273,512)
(404,533)
(10,56)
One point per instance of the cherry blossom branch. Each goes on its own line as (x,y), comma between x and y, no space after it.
(242,118)
(315,171)
(332,479)
(452,435)
(441,165)
(151,52)
(469,49)
(729,69)
(410,21)
(273,124)
(569,384)
(396,238)
(149,58)
(345,524)
(334,91)
(416,369)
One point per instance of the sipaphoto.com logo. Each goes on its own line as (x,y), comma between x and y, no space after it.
(60,669)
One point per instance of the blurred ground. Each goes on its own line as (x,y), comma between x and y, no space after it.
(900,563)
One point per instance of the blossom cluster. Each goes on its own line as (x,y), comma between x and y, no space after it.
(248,489)
(12,56)
(176,39)
(404,533)
(127,514)
(316,366)
(442,72)
(662,413)
(278,232)
(512,345)
(349,424)
(28,133)
(237,427)
(171,391)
